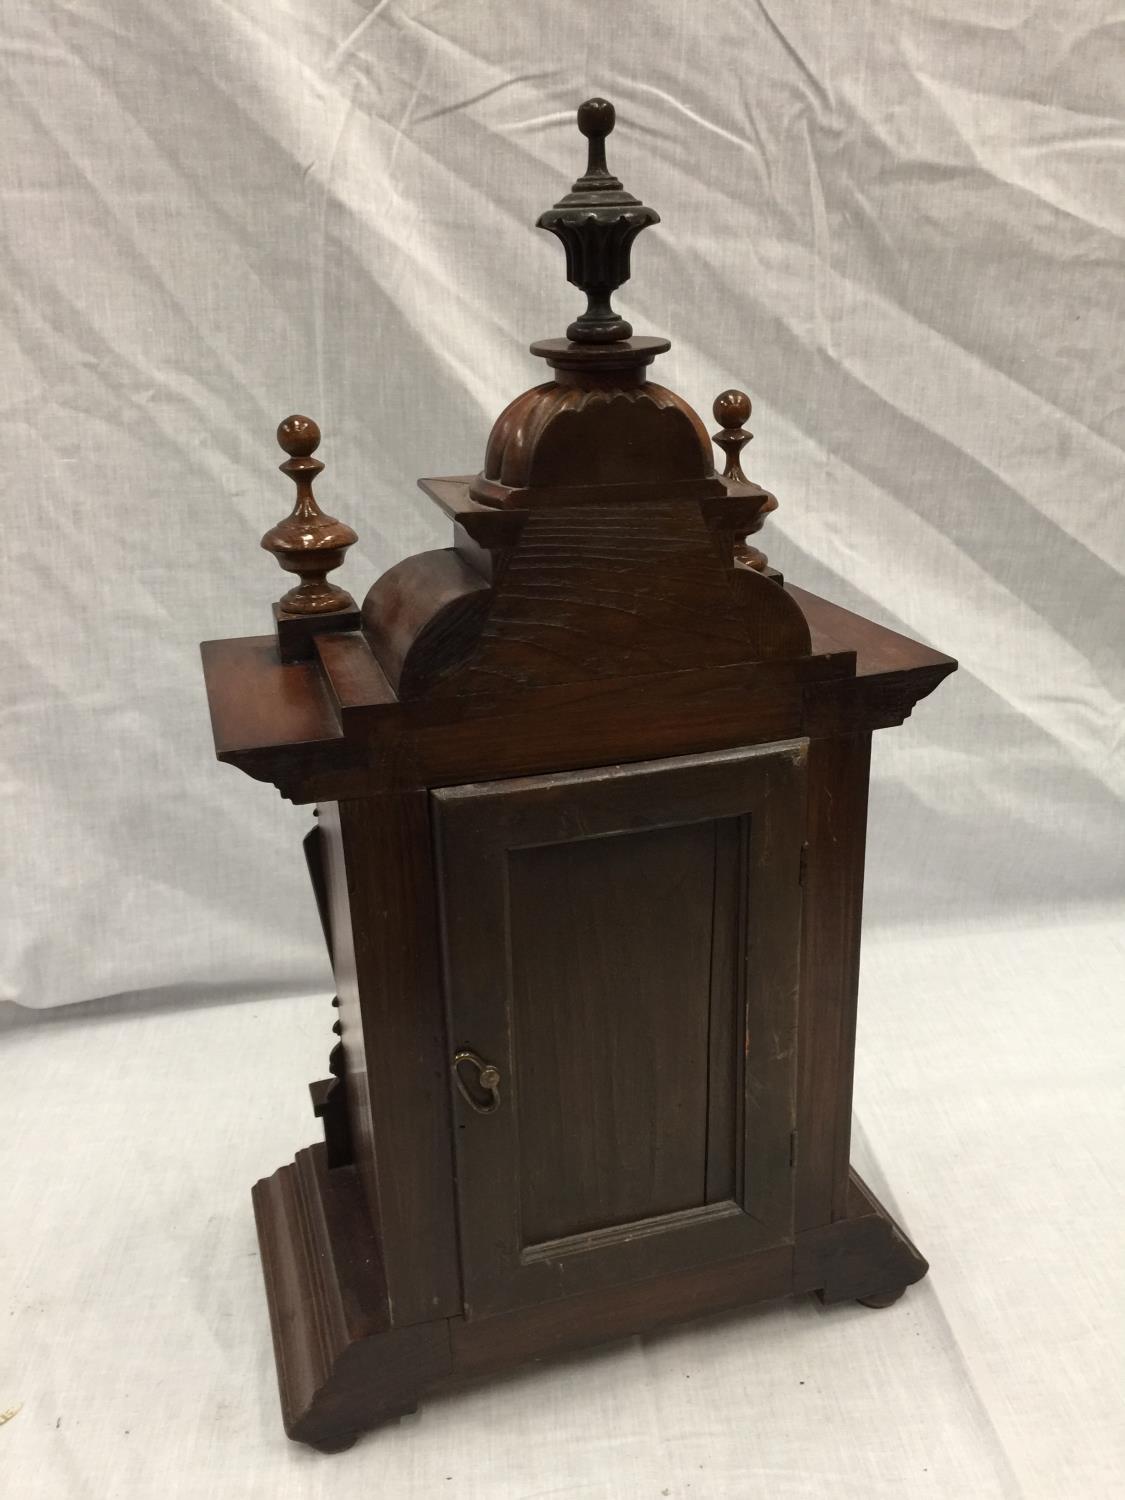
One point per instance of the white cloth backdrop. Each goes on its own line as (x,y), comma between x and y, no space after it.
(900,227)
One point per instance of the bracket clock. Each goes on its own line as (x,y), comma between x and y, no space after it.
(591,797)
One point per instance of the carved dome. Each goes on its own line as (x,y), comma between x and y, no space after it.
(564,435)
(598,432)
(600,423)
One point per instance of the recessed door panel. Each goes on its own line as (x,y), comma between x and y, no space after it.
(621,969)
(611,1006)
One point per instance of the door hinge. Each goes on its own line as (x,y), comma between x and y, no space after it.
(792,1149)
(803,866)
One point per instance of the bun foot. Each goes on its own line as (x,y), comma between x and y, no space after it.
(882,1299)
(334,1445)
(340,1442)
(864,1257)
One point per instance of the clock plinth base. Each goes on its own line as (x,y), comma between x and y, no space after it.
(343,1368)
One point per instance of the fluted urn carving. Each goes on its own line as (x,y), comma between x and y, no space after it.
(597,223)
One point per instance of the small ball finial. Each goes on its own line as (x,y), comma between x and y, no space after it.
(298,436)
(731,408)
(596,117)
(308,543)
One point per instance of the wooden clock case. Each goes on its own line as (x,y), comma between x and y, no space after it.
(591,789)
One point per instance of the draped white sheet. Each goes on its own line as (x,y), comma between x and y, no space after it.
(899,227)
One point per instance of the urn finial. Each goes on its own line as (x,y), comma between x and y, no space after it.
(597,223)
(308,542)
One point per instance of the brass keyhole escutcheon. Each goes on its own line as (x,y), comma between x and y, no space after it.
(487,1079)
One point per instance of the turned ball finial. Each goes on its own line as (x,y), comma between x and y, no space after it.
(596,119)
(299,437)
(731,409)
(308,542)
(597,222)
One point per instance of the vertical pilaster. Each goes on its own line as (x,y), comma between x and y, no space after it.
(836,833)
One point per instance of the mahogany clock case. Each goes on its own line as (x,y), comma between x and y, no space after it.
(591,787)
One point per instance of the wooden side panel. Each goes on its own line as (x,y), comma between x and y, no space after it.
(313,845)
(611,1000)
(337,919)
(726,1019)
(485,1345)
(615,591)
(401,1104)
(341,1368)
(833,907)
(340,1365)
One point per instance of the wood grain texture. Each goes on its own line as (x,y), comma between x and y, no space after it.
(611,1032)
(593,788)
(558,441)
(879,650)
(406,1159)
(308,542)
(423,617)
(329,1095)
(352,675)
(297,634)
(342,1369)
(863,1255)
(487,1345)
(836,841)
(600,1147)
(349,1009)
(259,703)
(281,723)
(620,591)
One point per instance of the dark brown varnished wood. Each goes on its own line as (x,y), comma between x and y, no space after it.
(342,1369)
(731,410)
(308,542)
(278,723)
(592,795)
(593,902)
(391,1013)
(342,1366)
(862,1255)
(597,222)
(835,843)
